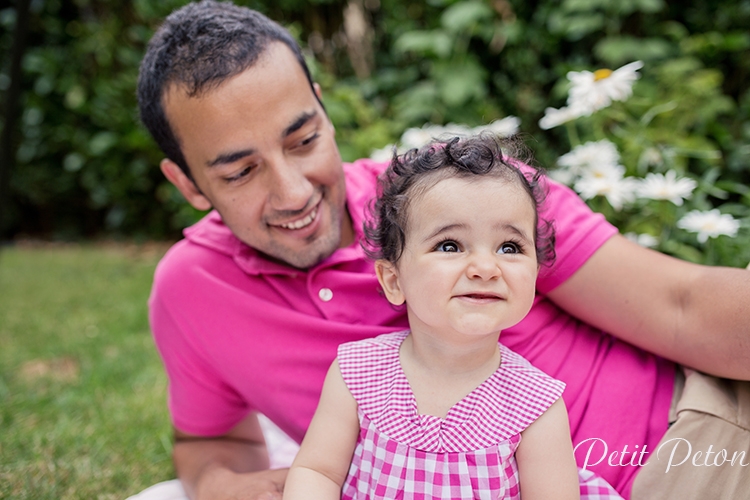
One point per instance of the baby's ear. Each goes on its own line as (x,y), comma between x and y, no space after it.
(388,277)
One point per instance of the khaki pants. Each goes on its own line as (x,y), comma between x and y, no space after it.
(705,453)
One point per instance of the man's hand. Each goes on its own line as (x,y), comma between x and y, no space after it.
(226,485)
(231,466)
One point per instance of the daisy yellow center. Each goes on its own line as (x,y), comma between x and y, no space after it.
(601,74)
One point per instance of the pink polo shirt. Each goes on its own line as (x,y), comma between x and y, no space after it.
(238,332)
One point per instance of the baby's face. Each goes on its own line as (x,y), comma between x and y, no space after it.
(469,264)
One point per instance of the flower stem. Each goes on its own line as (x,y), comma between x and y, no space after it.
(572,134)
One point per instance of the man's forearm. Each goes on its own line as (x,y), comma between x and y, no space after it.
(717,322)
(215,468)
(695,315)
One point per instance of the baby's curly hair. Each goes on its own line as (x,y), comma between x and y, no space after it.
(418,169)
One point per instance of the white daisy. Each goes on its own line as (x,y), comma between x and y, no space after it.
(562,175)
(418,137)
(383,154)
(588,156)
(643,239)
(666,187)
(608,181)
(651,157)
(593,91)
(506,127)
(554,117)
(454,129)
(709,224)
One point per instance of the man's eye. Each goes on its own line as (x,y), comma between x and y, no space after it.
(309,140)
(509,247)
(239,175)
(447,246)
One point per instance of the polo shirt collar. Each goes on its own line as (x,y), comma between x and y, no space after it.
(211,232)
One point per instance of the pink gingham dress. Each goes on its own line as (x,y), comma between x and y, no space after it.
(401,454)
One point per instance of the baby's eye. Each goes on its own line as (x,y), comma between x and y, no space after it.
(509,247)
(447,246)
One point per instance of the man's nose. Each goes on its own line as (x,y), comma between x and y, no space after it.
(289,188)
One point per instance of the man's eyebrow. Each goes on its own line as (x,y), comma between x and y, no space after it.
(299,123)
(228,158)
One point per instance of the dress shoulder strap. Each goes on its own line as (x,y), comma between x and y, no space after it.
(370,367)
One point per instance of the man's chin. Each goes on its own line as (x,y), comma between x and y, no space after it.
(303,257)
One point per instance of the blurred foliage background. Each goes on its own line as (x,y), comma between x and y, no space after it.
(77,163)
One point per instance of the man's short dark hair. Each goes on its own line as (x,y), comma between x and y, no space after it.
(199,46)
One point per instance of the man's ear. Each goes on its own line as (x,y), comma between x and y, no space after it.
(388,278)
(184,185)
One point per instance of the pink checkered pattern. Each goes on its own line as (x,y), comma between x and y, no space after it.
(594,487)
(383,468)
(468,455)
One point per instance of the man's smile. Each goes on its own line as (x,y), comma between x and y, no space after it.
(302,222)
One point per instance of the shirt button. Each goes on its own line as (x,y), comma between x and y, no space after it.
(325,294)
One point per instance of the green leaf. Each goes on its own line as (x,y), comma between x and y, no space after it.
(73,162)
(683,251)
(417,103)
(424,42)
(464,15)
(714,41)
(75,97)
(649,6)
(102,142)
(575,27)
(617,50)
(624,7)
(584,5)
(460,82)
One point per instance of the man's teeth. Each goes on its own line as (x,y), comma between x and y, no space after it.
(299,224)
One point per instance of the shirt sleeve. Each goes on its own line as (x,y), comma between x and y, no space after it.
(579,232)
(200,402)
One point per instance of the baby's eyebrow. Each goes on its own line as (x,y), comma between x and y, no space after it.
(507,226)
(444,229)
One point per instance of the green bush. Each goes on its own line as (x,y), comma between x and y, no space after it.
(85,166)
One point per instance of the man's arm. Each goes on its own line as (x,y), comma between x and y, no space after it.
(695,315)
(234,465)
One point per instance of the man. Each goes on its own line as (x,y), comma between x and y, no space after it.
(248,310)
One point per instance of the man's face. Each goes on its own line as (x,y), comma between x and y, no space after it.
(261,151)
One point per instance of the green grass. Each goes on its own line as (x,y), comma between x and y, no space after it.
(82,390)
